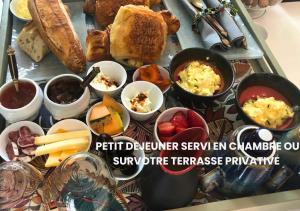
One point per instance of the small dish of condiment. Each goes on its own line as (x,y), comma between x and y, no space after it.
(22,105)
(64,97)
(103,82)
(110,80)
(155,74)
(65,90)
(141,103)
(142,99)
(20,9)
(122,171)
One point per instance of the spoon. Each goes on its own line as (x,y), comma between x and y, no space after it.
(87,80)
(13,68)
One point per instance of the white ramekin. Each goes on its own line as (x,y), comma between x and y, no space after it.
(155,96)
(27,112)
(71,110)
(138,153)
(114,71)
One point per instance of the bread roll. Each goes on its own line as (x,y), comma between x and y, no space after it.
(138,35)
(30,41)
(56,29)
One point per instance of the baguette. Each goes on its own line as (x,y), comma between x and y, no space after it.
(56,29)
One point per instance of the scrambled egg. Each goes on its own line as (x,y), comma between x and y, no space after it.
(199,79)
(22,9)
(268,111)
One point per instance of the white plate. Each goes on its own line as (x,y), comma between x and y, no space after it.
(70,125)
(35,129)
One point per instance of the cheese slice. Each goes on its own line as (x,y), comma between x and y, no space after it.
(47,139)
(53,160)
(71,144)
(67,153)
(56,158)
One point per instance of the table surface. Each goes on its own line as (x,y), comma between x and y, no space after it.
(1,6)
(282,23)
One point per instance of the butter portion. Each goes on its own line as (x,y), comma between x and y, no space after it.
(22,9)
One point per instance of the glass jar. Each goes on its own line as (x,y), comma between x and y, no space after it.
(18,181)
(81,182)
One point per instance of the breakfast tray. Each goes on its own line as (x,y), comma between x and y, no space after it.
(50,66)
(223,113)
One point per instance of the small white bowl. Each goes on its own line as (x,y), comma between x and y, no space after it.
(70,125)
(112,70)
(35,128)
(154,93)
(163,71)
(167,116)
(65,111)
(137,153)
(13,5)
(124,116)
(27,112)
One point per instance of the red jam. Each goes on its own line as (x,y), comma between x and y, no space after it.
(12,99)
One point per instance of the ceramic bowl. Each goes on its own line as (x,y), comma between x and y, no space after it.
(114,71)
(167,116)
(124,116)
(70,125)
(277,83)
(13,8)
(138,153)
(192,54)
(154,93)
(35,128)
(65,111)
(27,112)
(163,71)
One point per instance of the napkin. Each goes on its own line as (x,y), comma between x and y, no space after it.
(209,36)
(235,35)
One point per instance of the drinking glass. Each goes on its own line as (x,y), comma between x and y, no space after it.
(82,182)
(18,181)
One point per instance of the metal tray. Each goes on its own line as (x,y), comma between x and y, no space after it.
(50,66)
(188,38)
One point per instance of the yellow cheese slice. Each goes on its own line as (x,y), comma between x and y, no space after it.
(79,143)
(53,160)
(47,139)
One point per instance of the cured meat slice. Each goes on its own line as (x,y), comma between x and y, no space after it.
(28,150)
(25,131)
(27,141)
(14,136)
(12,150)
